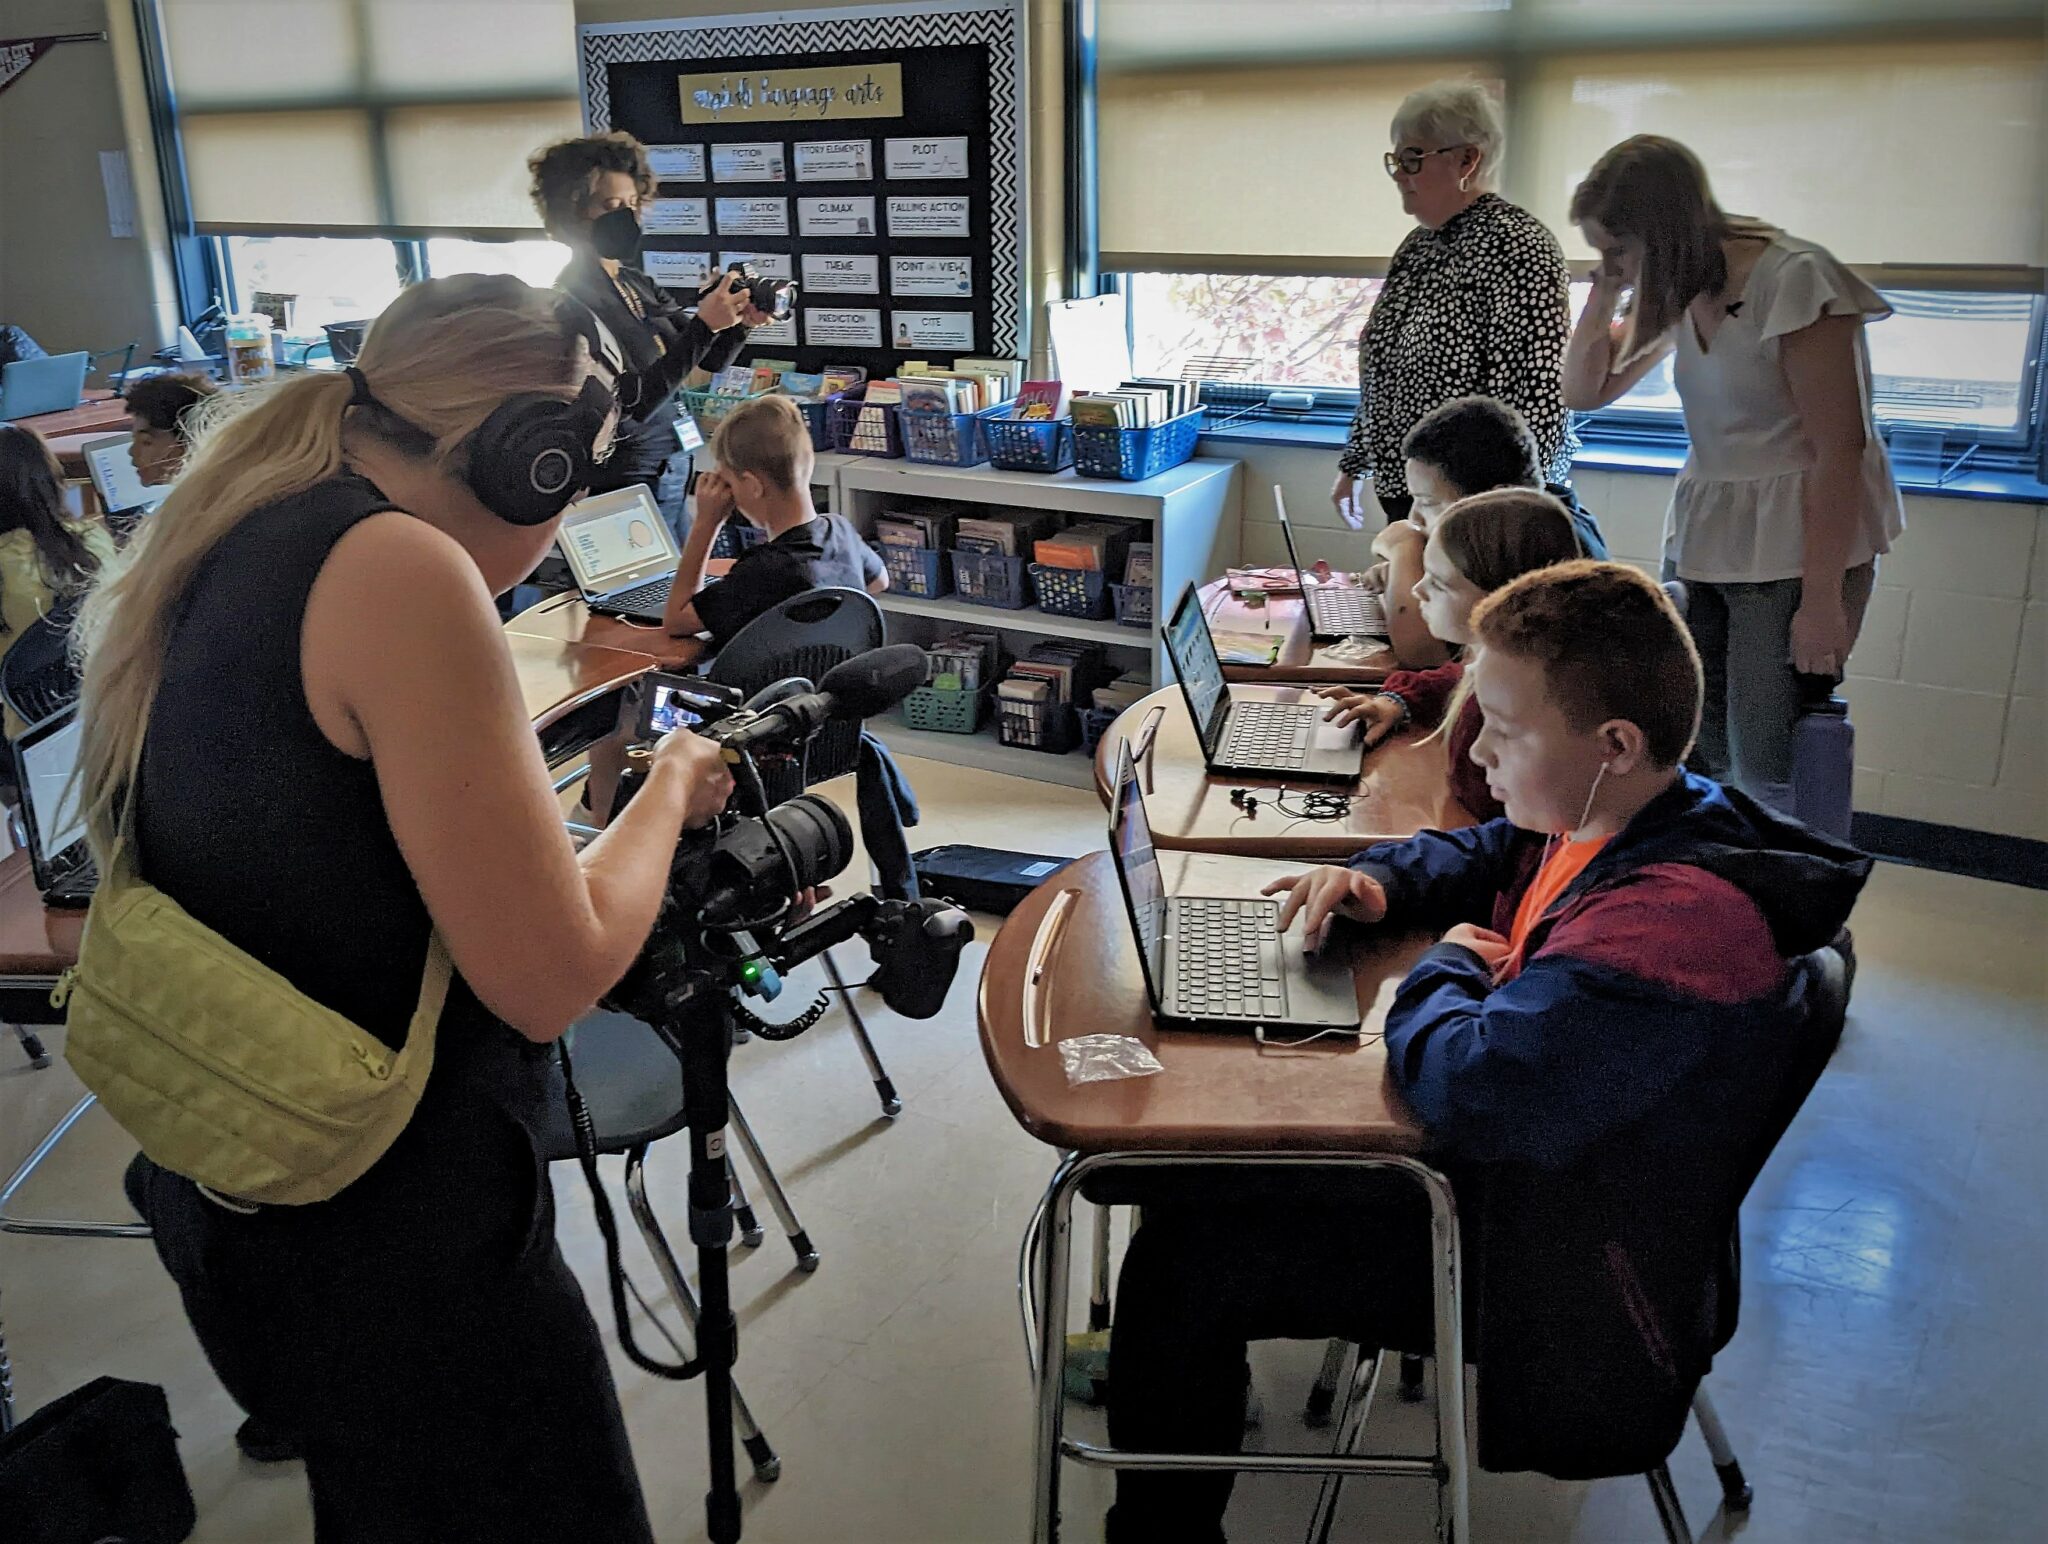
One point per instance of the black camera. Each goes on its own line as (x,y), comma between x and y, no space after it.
(773,298)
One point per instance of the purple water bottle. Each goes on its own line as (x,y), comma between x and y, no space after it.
(1823,758)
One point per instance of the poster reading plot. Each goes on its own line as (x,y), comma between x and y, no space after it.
(676,163)
(928,217)
(678,269)
(931,276)
(835,160)
(909,159)
(842,329)
(932,329)
(676,217)
(748,163)
(769,265)
(835,216)
(828,273)
(753,216)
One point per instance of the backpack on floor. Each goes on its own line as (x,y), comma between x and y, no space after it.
(98,1466)
(983,878)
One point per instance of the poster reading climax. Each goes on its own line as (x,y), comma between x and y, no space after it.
(800,96)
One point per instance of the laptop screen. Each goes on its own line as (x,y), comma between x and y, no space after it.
(1287,534)
(51,799)
(114,477)
(612,540)
(1193,653)
(1137,867)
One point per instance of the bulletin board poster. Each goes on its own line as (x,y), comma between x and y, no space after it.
(877,152)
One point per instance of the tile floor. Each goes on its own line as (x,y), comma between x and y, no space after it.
(1889,1382)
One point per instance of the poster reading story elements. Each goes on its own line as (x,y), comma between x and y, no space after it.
(835,216)
(842,329)
(676,269)
(748,163)
(835,160)
(931,276)
(909,159)
(676,163)
(928,216)
(932,329)
(676,217)
(769,265)
(831,273)
(753,216)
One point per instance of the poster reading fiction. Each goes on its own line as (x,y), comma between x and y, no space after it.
(748,163)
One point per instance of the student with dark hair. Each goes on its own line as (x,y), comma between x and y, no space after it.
(46,557)
(17,345)
(162,414)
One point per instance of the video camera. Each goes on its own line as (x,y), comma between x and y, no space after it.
(773,298)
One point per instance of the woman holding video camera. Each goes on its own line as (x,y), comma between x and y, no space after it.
(302,724)
(589,193)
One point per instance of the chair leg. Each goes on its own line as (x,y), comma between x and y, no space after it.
(1736,1494)
(1365,1381)
(742,1209)
(6,1385)
(778,1200)
(1098,1290)
(1669,1512)
(767,1465)
(1322,1398)
(1411,1377)
(884,1089)
(32,1043)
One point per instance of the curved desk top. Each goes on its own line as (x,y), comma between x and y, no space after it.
(1406,788)
(556,678)
(1220,1091)
(1302,659)
(35,940)
(566,619)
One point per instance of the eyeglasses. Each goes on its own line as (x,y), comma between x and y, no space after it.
(1410,161)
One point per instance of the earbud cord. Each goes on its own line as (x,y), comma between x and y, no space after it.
(1586,814)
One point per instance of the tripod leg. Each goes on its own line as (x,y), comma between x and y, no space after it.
(6,1386)
(32,1043)
(767,1465)
(1322,1398)
(778,1201)
(886,1090)
(742,1210)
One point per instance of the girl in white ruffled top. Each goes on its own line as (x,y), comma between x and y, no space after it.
(1787,499)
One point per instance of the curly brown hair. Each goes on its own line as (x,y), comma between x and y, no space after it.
(164,401)
(565,175)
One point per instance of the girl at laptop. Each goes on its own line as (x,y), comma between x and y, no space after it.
(1479,545)
(46,557)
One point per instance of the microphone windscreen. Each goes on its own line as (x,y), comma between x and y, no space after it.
(866,684)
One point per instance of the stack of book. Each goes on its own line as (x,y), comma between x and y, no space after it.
(1056,674)
(1040,400)
(970,386)
(1120,693)
(1099,546)
(871,423)
(1139,404)
(907,528)
(941,394)
(965,661)
(734,381)
(1009,532)
(815,386)
(1138,566)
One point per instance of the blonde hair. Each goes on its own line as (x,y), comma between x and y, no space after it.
(1454,112)
(443,355)
(767,436)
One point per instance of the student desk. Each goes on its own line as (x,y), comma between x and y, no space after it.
(1406,788)
(567,619)
(1302,660)
(1063,965)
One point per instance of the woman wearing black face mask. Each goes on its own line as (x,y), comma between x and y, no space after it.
(589,193)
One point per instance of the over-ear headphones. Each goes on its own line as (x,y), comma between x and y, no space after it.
(535,453)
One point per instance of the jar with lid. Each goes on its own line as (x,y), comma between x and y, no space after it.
(249,353)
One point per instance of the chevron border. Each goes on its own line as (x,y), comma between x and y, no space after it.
(938,27)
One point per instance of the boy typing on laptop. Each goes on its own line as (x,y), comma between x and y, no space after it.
(1593,1045)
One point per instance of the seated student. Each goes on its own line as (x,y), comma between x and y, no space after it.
(764,455)
(17,345)
(1592,1050)
(46,557)
(1478,546)
(161,416)
(1467,446)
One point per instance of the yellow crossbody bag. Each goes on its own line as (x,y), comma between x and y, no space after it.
(222,1069)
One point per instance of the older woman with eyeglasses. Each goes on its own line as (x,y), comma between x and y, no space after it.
(1476,301)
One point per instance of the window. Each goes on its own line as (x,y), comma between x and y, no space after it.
(333,279)
(537,262)
(1249,327)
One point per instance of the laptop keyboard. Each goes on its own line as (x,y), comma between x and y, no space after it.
(651,596)
(1348,610)
(1227,959)
(1269,734)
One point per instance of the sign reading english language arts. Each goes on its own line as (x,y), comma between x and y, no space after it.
(783,96)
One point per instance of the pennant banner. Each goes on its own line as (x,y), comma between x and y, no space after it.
(16,57)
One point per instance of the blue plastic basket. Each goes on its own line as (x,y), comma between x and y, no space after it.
(818,419)
(919,571)
(992,579)
(1029,444)
(881,438)
(943,439)
(1132,455)
(1095,724)
(1071,592)
(1133,605)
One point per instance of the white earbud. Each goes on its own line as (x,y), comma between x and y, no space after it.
(1591,793)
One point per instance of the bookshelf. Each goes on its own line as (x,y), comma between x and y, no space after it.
(1193,511)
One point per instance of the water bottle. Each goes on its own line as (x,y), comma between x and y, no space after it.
(1823,758)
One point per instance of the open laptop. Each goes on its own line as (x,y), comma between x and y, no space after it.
(53,384)
(1334,610)
(45,757)
(114,478)
(621,552)
(1214,962)
(1254,731)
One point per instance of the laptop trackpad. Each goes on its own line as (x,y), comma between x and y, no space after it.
(1321,988)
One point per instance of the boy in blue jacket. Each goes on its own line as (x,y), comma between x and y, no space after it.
(1594,1049)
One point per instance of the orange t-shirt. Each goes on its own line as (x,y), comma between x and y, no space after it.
(1561,865)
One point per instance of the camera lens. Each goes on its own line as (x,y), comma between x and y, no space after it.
(748,872)
(817,835)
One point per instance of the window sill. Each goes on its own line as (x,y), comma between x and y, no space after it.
(1651,460)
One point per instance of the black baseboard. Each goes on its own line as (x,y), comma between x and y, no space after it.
(2011,860)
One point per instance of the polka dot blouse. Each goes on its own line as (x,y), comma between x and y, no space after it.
(1481,305)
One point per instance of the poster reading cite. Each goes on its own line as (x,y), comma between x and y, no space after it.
(803,96)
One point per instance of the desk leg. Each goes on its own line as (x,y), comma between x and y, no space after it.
(32,1043)
(1453,1525)
(1054,1252)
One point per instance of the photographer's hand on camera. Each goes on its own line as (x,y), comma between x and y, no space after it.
(698,773)
(724,303)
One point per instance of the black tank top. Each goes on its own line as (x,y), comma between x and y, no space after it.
(259,827)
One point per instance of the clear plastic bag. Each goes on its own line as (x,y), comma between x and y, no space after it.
(1100,1058)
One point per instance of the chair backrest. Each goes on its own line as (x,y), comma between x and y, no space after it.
(805,635)
(37,675)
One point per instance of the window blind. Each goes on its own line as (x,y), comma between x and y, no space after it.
(355,117)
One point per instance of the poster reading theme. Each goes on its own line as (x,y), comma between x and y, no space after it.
(929,216)
(842,329)
(676,163)
(829,273)
(932,329)
(931,276)
(753,216)
(906,160)
(676,217)
(835,160)
(748,163)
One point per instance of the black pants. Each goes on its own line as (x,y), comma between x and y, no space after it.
(1199,1282)
(1396,506)
(442,1375)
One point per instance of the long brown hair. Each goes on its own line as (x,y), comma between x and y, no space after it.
(32,500)
(1654,190)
